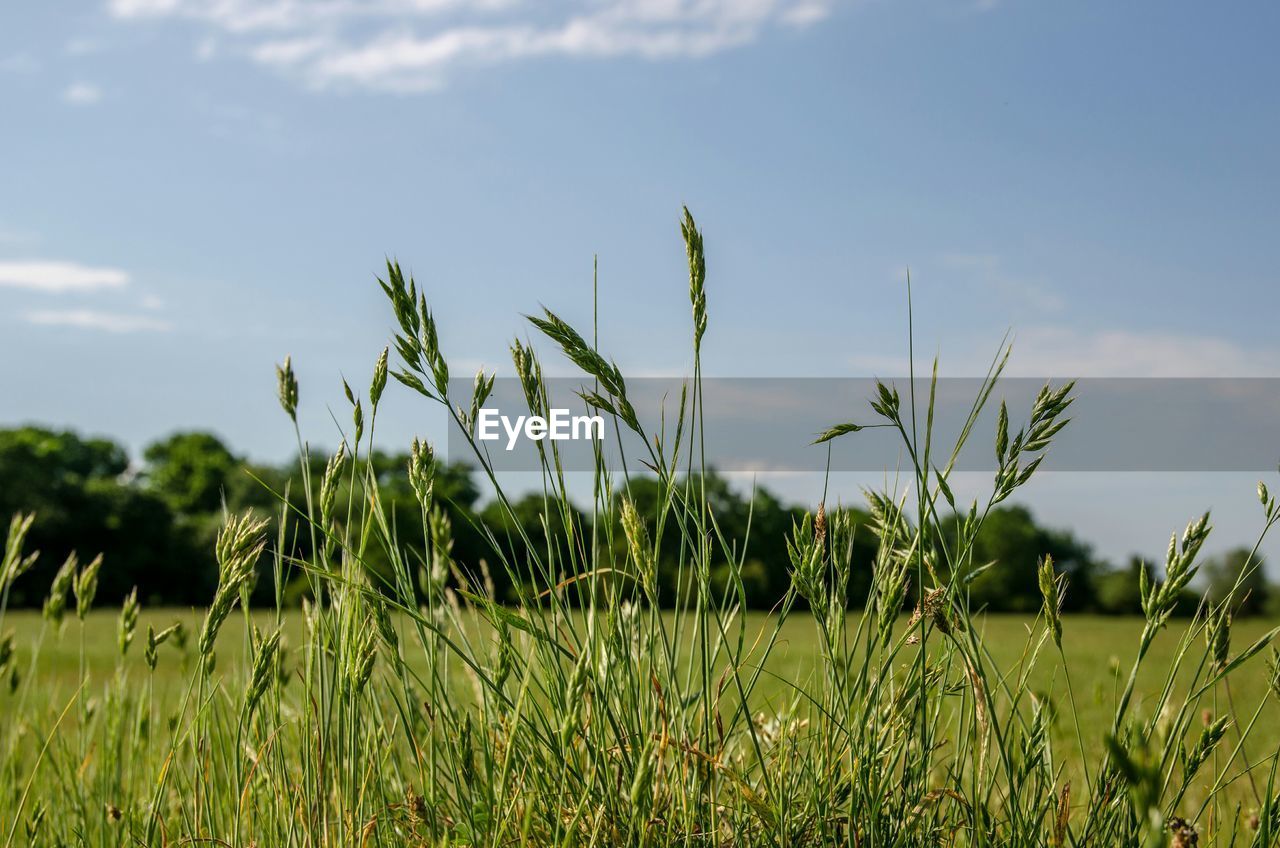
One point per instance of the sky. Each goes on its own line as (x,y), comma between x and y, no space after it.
(193,190)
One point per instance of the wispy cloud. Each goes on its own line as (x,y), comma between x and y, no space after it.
(417,45)
(1053,351)
(58,277)
(90,319)
(82,94)
(988,269)
(1062,352)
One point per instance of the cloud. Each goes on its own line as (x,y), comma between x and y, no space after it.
(58,277)
(418,45)
(1061,352)
(989,270)
(805,14)
(90,319)
(1052,351)
(82,94)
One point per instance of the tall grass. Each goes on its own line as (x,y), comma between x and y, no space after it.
(419,710)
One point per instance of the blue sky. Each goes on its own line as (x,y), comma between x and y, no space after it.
(194,189)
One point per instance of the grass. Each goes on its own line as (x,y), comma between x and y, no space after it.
(405,706)
(1098,646)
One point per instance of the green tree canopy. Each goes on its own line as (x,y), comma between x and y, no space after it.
(1010,546)
(190,471)
(1240,575)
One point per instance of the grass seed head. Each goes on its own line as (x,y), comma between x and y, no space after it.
(379,382)
(128,621)
(55,606)
(1273,672)
(637,535)
(14,564)
(441,530)
(6,650)
(264,666)
(329,484)
(150,654)
(529,372)
(287,388)
(1052,595)
(422,470)
(1210,736)
(85,586)
(805,552)
(382,620)
(1218,634)
(697,276)
(240,543)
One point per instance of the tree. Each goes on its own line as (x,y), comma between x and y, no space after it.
(1118,591)
(1239,578)
(1010,546)
(559,544)
(756,524)
(190,471)
(84,502)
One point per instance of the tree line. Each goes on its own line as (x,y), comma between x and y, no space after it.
(155,520)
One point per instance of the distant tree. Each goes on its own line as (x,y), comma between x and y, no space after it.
(1118,590)
(757,524)
(534,536)
(190,471)
(1235,570)
(39,466)
(1010,545)
(85,503)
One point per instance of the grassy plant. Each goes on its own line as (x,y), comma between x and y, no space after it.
(415,708)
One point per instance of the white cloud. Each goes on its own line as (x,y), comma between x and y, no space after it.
(989,270)
(207,49)
(57,277)
(416,45)
(82,94)
(1053,351)
(89,319)
(141,8)
(805,14)
(1060,352)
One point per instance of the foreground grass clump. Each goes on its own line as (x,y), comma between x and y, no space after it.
(405,706)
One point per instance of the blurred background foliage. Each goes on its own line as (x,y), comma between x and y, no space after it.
(155,520)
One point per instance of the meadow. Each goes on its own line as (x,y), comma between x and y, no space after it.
(1098,650)
(388,697)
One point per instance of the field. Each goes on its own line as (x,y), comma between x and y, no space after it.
(390,696)
(1099,650)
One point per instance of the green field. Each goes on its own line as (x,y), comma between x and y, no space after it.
(620,694)
(1099,650)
